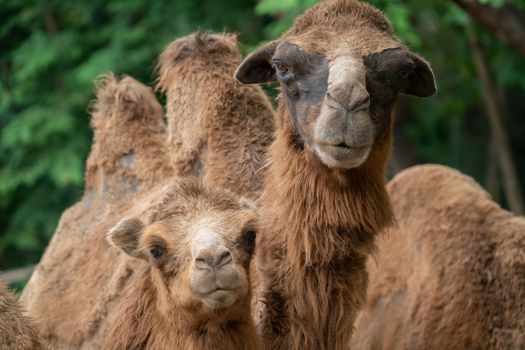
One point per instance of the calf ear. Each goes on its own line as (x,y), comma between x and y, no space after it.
(256,68)
(125,235)
(421,81)
(246,242)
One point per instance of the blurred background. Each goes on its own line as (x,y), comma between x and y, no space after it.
(51,51)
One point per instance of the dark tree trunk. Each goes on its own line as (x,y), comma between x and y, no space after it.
(404,153)
(492,183)
(499,134)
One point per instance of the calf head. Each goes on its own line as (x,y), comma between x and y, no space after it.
(198,243)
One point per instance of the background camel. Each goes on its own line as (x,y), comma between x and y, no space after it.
(452,275)
(218,129)
(340,70)
(191,289)
(16,330)
(80,275)
(130,158)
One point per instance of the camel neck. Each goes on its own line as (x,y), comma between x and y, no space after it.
(318,229)
(151,324)
(323,212)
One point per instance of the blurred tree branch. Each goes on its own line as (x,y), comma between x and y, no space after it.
(492,182)
(507,22)
(403,152)
(499,134)
(49,20)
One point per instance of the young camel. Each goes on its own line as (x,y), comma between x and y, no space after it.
(224,136)
(191,289)
(16,331)
(452,275)
(323,202)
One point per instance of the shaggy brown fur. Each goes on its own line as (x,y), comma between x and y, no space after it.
(79,275)
(320,220)
(160,309)
(16,331)
(128,130)
(452,276)
(319,229)
(218,129)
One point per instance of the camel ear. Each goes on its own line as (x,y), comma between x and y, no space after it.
(402,70)
(246,242)
(125,235)
(256,68)
(421,81)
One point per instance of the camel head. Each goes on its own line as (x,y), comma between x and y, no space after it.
(197,243)
(340,70)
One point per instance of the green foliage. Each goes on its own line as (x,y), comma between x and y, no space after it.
(53,50)
(285,10)
(51,53)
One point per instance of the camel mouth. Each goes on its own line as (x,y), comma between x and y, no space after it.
(343,147)
(220,298)
(342,155)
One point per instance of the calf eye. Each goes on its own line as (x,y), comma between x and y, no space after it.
(156,251)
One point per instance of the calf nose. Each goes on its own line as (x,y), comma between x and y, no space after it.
(212,257)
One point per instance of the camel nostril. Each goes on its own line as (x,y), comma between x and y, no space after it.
(224,258)
(364,103)
(212,257)
(202,263)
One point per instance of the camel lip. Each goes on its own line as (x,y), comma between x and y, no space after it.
(343,145)
(220,290)
(342,150)
(342,155)
(217,289)
(220,298)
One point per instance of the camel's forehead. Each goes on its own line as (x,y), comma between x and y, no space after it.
(356,42)
(184,234)
(333,26)
(206,230)
(222,228)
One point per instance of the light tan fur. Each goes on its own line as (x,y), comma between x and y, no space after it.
(16,330)
(452,275)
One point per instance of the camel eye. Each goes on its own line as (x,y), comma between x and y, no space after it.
(156,251)
(281,69)
(283,72)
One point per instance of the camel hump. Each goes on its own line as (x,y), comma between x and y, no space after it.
(197,48)
(436,186)
(218,130)
(125,99)
(129,141)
